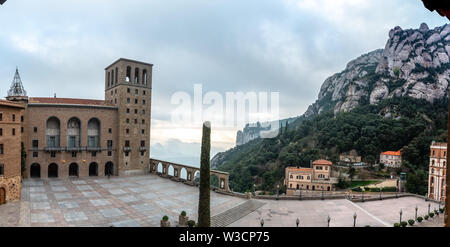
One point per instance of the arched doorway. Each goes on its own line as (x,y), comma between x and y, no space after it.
(109,169)
(35,171)
(93,169)
(2,196)
(171,171)
(183,173)
(160,168)
(73,170)
(53,170)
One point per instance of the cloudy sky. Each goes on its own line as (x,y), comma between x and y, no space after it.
(285,46)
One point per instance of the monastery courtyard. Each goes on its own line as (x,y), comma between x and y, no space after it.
(144,200)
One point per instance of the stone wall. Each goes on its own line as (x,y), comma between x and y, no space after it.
(12,187)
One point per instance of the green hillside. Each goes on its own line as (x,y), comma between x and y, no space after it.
(407,123)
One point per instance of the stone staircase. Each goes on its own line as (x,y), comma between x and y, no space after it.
(226,218)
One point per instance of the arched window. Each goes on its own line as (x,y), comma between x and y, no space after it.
(73,132)
(144,77)
(117,76)
(109,79)
(93,133)
(136,76)
(112,83)
(128,77)
(52,132)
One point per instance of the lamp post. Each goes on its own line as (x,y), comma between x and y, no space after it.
(300,194)
(262,222)
(323,198)
(401,212)
(363,195)
(297,222)
(278,191)
(416,212)
(329,219)
(429,205)
(354,219)
(380,194)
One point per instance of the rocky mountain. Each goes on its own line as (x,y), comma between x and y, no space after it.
(414,62)
(253,131)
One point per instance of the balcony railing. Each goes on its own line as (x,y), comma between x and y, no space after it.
(94,149)
(126,149)
(53,149)
(75,149)
(142,149)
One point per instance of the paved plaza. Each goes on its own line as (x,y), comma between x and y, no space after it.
(121,202)
(315,213)
(144,200)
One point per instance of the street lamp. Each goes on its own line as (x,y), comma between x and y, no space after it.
(262,222)
(416,212)
(297,222)
(354,219)
(323,198)
(429,205)
(401,212)
(329,219)
(278,191)
(300,194)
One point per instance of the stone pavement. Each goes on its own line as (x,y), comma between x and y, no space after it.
(315,213)
(120,201)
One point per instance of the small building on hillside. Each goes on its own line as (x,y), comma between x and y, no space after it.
(438,166)
(318,177)
(391,158)
(350,157)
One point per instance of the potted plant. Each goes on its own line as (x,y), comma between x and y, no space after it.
(419,219)
(165,221)
(431,215)
(396,224)
(411,222)
(404,223)
(183,219)
(441,210)
(426,217)
(191,223)
(436,212)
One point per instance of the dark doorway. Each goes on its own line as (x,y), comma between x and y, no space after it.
(53,170)
(35,171)
(93,170)
(73,170)
(2,196)
(109,169)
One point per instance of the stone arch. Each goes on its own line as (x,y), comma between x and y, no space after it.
(197,176)
(93,133)
(52,132)
(222,183)
(144,77)
(183,174)
(93,169)
(73,132)
(35,170)
(128,75)
(73,170)
(171,171)
(53,170)
(109,168)
(136,76)
(160,168)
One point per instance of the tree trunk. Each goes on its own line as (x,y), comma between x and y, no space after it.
(204,215)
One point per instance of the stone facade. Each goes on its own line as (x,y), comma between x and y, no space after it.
(391,159)
(437,171)
(66,137)
(10,150)
(350,157)
(316,178)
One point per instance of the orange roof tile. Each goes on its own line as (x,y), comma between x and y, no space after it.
(395,153)
(322,162)
(300,169)
(70,101)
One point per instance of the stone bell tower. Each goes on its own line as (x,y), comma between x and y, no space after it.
(128,85)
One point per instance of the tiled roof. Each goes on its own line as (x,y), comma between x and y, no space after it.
(300,169)
(322,162)
(10,103)
(68,101)
(395,153)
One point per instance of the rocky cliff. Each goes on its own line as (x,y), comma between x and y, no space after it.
(414,62)
(253,131)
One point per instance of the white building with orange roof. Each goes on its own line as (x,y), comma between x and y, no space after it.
(318,177)
(391,158)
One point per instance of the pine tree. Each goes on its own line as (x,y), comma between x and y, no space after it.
(204,215)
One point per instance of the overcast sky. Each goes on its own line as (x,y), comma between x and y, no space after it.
(285,46)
